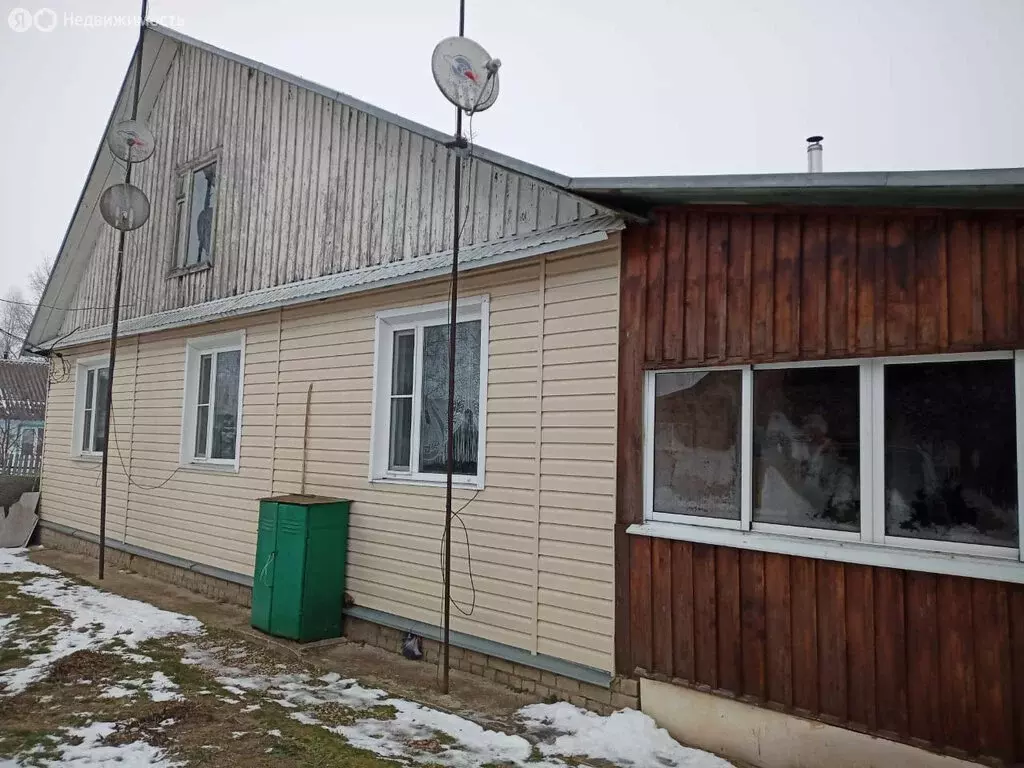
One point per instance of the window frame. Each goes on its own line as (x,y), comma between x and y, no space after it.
(195,349)
(871,544)
(82,368)
(37,441)
(416,318)
(182,181)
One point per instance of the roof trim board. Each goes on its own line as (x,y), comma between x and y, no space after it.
(85,223)
(577,234)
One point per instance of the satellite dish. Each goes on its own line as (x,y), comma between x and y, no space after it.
(124,207)
(131,140)
(465,73)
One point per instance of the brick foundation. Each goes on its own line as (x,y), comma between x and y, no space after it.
(624,692)
(210,586)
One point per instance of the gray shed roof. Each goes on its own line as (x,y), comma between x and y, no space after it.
(986,188)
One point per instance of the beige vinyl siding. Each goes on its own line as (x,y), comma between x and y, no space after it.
(540,531)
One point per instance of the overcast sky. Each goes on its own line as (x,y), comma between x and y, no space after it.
(589,87)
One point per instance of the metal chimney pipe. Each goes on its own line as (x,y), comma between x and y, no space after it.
(814,154)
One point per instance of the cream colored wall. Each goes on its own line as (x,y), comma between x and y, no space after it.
(540,530)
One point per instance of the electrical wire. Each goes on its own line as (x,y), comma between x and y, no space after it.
(51,306)
(124,469)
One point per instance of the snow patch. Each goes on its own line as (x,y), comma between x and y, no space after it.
(92,753)
(96,619)
(15,561)
(626,737)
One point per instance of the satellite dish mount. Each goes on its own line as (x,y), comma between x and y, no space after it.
(468,77)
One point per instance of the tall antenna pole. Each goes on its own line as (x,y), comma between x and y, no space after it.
(116,309)
(459,143)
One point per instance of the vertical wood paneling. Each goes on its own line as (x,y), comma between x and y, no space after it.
(716,290)
(675,290)
(786,333)
(923,657)
(752,607)
(805,633)
(933,660)
(640,612)
(661,605)
(860,644)
(812,265)
(682,610)
(840,309)
(930,288)
(778,630)
(900,287)
(739,287)
(656,235)
(833,692)
(705,616)
(762,292)
(890,651)
(956,653)
(696,282)
(728,604)
(307,187)
(993,681)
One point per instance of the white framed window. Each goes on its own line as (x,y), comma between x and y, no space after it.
(917,456)
(212,419)
(91,384)
(195,206)
(410,401)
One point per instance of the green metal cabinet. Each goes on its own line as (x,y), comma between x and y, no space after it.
(299,583)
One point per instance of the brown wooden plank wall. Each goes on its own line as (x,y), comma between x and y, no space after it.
(933,660)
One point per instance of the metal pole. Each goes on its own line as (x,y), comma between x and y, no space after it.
(116,311)
(454,309)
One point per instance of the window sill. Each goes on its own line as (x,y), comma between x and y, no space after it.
(182,271)
(202,466)
(1008,569)
(88,458)
(466,485)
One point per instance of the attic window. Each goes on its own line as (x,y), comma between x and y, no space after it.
(195,206)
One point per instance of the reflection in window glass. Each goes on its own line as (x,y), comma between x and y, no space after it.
(200,219)
(950,452)
(402,374)
(434,401)
(807,447)
(697,422)
(225,405)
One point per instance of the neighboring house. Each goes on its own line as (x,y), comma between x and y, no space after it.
(758,451)
(22,411)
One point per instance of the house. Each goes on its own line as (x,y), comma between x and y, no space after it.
(301,237)
(22,413)
(739,450)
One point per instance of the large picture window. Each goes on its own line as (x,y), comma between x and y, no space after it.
(916,452)
(91,383)
(213,400)
(410,435)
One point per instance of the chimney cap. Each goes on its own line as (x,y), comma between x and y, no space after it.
(814,139)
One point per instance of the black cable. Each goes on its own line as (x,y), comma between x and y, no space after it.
(51,306)
(124,469)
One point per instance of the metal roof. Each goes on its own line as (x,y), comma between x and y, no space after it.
(985,188)
(579,233)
